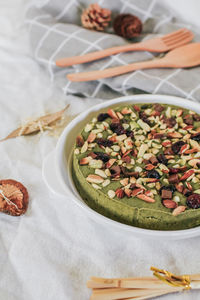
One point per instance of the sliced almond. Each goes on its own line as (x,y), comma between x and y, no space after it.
(112,114)
(96,163)
(107,172)
(146,198)
(144,125)
(84,147)
(120,116)
(85,160)
(178,210)
(121,137)
(110,162)
(100,173)
(142,150)
(94,178)
(96,187)
(88,127)
(91,137)
(106,182)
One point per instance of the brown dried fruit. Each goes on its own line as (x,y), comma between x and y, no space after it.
(127,25)
(158,107)
(79,141)
(173,178)
(13,197)
(166,194)
(153,160)
(129,173)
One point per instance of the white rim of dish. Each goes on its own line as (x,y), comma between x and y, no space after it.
(140,98)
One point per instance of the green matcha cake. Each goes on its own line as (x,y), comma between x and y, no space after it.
(139,164)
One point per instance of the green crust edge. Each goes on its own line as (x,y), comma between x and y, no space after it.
(154,220)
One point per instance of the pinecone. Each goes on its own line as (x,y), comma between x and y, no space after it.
(127,25)
(95,17)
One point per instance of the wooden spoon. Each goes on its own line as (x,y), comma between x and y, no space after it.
(183,57)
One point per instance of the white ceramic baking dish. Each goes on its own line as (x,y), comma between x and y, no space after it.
(57,165)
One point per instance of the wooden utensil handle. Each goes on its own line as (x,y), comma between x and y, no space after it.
(70,61)
(111,72)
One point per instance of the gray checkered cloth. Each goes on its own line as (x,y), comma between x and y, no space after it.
(56,32)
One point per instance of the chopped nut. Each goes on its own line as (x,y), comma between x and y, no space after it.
(94,179)
(96,187)
(124,181)
(100,173)
(142,150)
(144,125)
(111,194)
(91,137)
(178,210)
(96,163)
(105,183)
(107,172)
(84,147)
(76,151)
(88,127)
(85,160)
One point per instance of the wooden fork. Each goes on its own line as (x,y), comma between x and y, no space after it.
(183,57)
(162,44)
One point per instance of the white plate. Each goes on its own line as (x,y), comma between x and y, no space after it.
(56,167)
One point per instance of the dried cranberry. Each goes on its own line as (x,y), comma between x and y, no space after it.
(158,107)
(130,133)
(188,119)
(193,201)
(196,117)
(153,174)
(102,156)
(105,143)
(177,170)
(196,137)
(115,171)
(162,159)
(171,122)
(132,186)
(102,117)
(186,192)
(117,128)
(176,147)
(144,117)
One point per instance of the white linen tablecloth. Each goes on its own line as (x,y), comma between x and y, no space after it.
(51,251)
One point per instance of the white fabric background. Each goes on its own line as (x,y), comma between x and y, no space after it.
(51,251)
